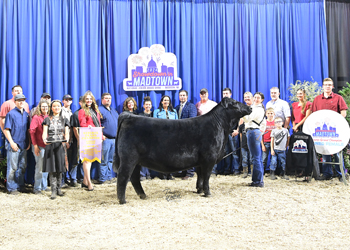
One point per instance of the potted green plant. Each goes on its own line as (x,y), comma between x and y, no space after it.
(345,93)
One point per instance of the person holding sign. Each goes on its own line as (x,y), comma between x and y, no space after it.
(89,116)
(335,102)
(36,133)
(55,132)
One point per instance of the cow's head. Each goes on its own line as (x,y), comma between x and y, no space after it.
(235,109)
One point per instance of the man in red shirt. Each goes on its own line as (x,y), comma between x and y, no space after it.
(10,104)
(335,102)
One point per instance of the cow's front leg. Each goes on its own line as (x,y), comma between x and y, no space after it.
(135,181)
(206,172)
(124,173)
(199,185)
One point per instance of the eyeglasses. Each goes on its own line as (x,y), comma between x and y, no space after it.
(278,122)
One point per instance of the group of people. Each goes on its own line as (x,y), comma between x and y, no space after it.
(52,131)
(266,131)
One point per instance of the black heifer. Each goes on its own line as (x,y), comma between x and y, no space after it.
(173,145)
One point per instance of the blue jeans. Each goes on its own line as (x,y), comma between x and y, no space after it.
(231,162)
(73,172)
(280,155)
(253,140)
(105,171)
(265,155)
(214,169)
(16,167)
(40,177)
(246,159)
(327,168)
(144,172)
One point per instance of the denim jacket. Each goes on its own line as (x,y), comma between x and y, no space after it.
(162,114)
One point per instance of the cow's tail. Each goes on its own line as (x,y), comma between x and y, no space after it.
(116,159)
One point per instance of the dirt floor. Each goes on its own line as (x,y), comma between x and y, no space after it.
(283,215)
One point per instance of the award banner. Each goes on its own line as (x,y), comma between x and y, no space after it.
(329,130)
(90,144)
(152,69)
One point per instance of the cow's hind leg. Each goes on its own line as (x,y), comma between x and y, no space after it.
(206,172)
(199,185)
(135,180)
(124,172)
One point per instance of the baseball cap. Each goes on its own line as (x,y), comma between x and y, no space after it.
(19,97)
(203,90)
(67,97)
(45,94)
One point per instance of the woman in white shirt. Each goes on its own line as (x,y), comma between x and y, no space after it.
(255,125)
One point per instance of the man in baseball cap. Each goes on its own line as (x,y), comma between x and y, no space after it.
(17,143)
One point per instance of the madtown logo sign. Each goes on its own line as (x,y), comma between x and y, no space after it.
(152,69)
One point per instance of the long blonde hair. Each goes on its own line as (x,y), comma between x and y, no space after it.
(303,103)
(94,105)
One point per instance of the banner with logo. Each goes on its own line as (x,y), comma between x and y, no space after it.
(329,130)
(152,69)
(90,143)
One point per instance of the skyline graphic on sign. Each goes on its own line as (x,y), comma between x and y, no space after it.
(152,69)
(325,131)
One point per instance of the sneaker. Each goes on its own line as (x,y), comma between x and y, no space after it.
(236,173)
(37,192)
(185,178)
(256,184)
(148,177)
(341,178)
(325,178)
(73,184)
(213,175)
(23,190)
(142,178)
(285,177)
(64,185)
(14,192)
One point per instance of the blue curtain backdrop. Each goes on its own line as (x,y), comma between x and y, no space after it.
(71,46)
(61,46)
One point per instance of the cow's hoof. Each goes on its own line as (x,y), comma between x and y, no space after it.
(121,202)
(143,196)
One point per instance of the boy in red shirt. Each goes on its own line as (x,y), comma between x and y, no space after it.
(266,138)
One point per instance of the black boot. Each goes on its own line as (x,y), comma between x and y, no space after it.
(272,175)
(284,176)
(59,181)
(53,182)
